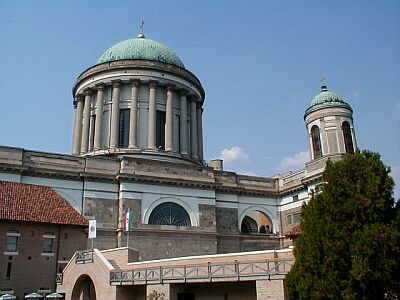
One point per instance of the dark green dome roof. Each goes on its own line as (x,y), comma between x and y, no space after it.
(326,98)
(141,48)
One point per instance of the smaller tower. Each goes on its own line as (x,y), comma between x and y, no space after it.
(329,122)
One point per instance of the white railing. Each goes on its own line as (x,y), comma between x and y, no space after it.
(205,272)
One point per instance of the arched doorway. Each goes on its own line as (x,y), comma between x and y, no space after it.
(256,222)
(84,289)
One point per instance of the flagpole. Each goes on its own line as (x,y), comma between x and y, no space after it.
(127,239)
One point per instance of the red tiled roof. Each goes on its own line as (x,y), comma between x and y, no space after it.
(36,203)
(295,231)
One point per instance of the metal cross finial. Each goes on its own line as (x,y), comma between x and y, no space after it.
(323,83)
(141,27)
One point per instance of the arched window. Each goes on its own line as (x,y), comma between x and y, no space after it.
(169,213)
(348,140)
(256,222)
(249,225)
(316,142)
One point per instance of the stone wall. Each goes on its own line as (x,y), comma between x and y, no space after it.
(227,220)
(207,217)
(135,205)
(156,244)
(30,257)
(105,211)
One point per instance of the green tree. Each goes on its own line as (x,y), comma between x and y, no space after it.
(349,247)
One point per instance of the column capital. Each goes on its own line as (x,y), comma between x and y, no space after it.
(184,93)
(116,83)
(100,86)
(79,97)
(153,84)
(88,92)
(194,98)
(135,82)
(170,88)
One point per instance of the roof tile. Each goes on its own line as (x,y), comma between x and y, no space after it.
(36,203)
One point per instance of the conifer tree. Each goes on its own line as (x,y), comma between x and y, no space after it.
(349,247)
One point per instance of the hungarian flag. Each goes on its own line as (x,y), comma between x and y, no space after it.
(128,221)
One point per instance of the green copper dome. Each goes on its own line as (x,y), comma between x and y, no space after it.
(141,48)
(326,98)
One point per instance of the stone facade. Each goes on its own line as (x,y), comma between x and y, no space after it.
(227,220)
(216,201)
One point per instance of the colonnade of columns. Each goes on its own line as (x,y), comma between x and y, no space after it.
(192,146)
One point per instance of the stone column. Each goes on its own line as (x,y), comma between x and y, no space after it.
(193,128)
(115,115)
(86,122)
(98,134)
(151,128)
(169,117)
(133,115)
(78,125)
(200,131)
(183,125)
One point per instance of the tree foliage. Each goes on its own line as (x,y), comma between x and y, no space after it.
(349,247)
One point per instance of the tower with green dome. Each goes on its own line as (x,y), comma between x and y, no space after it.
(330,128)
(139,100)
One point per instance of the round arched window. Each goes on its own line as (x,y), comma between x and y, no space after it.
(169,213)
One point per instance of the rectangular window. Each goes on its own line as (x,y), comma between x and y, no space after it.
(92,131)
(48,238)
(12,241)
(123,137)
(296,218)
(160,130)
(288,220)
(295,198)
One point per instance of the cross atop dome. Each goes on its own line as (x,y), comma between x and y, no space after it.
(141,34)
(324,87)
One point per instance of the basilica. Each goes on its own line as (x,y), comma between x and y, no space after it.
(138,146)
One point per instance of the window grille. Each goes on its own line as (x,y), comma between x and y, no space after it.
(169,213)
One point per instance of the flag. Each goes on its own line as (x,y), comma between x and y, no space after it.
(128,220)
(92,229)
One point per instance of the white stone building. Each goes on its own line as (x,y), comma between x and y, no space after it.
(138,145)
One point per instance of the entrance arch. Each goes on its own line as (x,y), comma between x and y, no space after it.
(256,221)
(84,289)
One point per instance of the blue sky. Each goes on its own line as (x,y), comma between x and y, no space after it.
(260,63)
